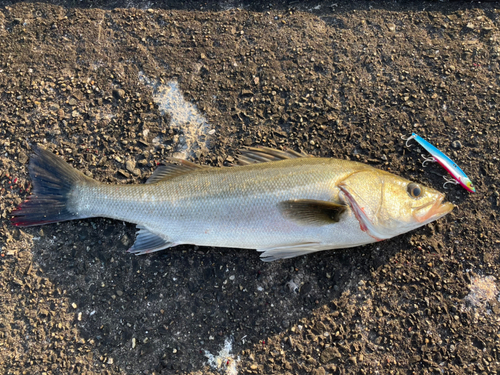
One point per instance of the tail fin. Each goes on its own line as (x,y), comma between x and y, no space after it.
(53,183)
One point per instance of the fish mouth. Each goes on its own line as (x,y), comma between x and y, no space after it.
(423,214)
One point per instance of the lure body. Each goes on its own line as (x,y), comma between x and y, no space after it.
(451,167)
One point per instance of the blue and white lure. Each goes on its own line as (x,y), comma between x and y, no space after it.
(451,167)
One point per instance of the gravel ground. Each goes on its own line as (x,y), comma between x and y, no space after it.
(116,91)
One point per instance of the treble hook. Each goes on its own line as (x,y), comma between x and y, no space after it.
(408,139)
(428,160)
(449,181)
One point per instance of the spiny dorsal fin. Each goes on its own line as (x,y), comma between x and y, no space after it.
(167,171)
(253,155)
(312,212)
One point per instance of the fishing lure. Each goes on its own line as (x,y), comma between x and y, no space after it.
(451,167)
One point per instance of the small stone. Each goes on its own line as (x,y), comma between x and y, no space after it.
(124,173)
(72,102)
(253,366)
(119,292)
(125,240)
(329,354)
(130,165)
(319,371)
(73,305)
(118,93)
(457,145)
(22,157)
(415,358)
(133,342)
(391,27)
(247,141)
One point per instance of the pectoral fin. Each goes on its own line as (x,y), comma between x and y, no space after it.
(147,242)
(312,212)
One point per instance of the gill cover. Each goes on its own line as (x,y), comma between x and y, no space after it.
(364,191)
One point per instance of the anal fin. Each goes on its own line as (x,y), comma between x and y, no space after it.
(147,242)
(289,251)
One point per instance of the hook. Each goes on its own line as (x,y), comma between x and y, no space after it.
(407,139)
(450,181)
(432,159)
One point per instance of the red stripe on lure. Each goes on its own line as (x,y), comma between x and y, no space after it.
(451,167)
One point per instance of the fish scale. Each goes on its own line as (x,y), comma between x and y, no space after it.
(233,207)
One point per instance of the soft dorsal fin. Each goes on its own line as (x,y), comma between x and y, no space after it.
(253,155)
(312,212)
(167,171)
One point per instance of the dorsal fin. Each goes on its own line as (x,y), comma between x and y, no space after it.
(253,155)
(167,171)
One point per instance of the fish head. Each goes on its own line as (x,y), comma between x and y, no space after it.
(387,205)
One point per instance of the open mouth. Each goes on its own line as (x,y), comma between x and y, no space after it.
(436,210)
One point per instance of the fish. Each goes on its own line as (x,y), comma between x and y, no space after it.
(442,159)
(279,202)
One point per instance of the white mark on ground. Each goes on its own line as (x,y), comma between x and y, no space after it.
(482,290)
(184,117)
(224,361)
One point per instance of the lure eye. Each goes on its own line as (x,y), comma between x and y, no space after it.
(414,190)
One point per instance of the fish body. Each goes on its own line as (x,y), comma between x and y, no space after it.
(442,159)
(281,204)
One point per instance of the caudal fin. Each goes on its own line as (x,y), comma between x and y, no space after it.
(53,181)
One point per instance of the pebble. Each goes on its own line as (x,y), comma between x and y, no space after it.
(118,93)
(130,165)
(124,173)
(457,145)
(22,157)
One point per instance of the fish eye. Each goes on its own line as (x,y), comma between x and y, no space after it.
(414,190)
